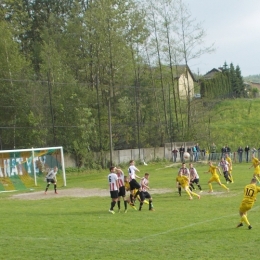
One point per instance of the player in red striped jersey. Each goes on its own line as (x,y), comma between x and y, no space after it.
(225,166)
(122,191)
(144,187)
(113,187)
(194,177)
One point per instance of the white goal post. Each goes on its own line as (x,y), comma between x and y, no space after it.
(31,161)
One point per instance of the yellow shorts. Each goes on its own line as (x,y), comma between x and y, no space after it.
(244,207)
(214,178)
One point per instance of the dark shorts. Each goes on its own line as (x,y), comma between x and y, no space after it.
(195,181)
(50,181)
(114,194)
(121,192)
(147,195)
(134,184)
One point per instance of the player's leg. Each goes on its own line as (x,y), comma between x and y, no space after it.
(188,192)
(210,186)
(223,185)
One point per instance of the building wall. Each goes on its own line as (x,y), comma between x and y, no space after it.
(183,86)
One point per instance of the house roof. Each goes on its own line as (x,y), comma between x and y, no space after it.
(210,74)
(180,69)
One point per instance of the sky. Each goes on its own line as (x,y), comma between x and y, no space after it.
(234,28)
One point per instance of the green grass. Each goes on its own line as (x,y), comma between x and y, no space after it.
(82,228)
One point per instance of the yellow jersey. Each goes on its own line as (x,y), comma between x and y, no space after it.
(183,181)
(213,170)
(250,192)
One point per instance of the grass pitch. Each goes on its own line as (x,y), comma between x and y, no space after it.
(82,228)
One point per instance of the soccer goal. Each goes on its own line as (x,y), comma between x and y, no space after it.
(20,169)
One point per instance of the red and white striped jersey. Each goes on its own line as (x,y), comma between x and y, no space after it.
(185,171)
(224,165)
(144,182)
(121,181)
(112,181)
(193,174)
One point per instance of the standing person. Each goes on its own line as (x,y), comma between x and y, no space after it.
(113,187)
(228,150)
(250,192)
(240,153)
(223,151)
(194,177)
(51,178)
(213,149)
(198,151)
(122,191)
(181,150)
(185,172)
(225,165)
(247,149)
(174,154)
(145,188)
(195,153)
(230,167)
(183,181)
(215,177)
(133,183)
(255,163)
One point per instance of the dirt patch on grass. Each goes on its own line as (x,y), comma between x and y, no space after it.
(75,192)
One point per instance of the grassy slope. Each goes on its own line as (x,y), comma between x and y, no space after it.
(236,122)
(82,228)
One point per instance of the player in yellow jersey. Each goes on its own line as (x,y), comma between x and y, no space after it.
(250,192)
(215,177)
(184,182)
(255,163)
(230,167)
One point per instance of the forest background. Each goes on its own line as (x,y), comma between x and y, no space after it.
(92,76)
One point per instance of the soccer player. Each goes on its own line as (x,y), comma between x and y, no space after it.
(255,163)
(225,165)
(250,192)
(230,167)
(215,177)
(183,181)
(113,187)
(122,192)
(185,172)
(133,183)
(51,178)
(194,177)
(145,188)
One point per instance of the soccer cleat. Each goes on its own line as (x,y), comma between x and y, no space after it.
(227,182)
(240,225)
(56,192)
(210,191)
(125,210)
(45,192)
(249,227)
(201,191)
(152,209)
(227,190)
(133,206)
(199,197)
(112,211)
(190,198)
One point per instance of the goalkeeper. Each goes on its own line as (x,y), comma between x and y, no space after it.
(51,178)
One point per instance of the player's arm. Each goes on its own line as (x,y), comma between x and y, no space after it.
(218,170)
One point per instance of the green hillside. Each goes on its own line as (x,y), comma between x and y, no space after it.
(236,123)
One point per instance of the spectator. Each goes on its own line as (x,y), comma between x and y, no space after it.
(195,152)
(174,154)
(213,149)
(223,151)
(247,149)
(181,150)
(240,153)
(198,151)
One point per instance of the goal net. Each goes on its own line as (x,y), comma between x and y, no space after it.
(20,169)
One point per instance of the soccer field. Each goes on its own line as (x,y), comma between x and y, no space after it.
(82,228)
